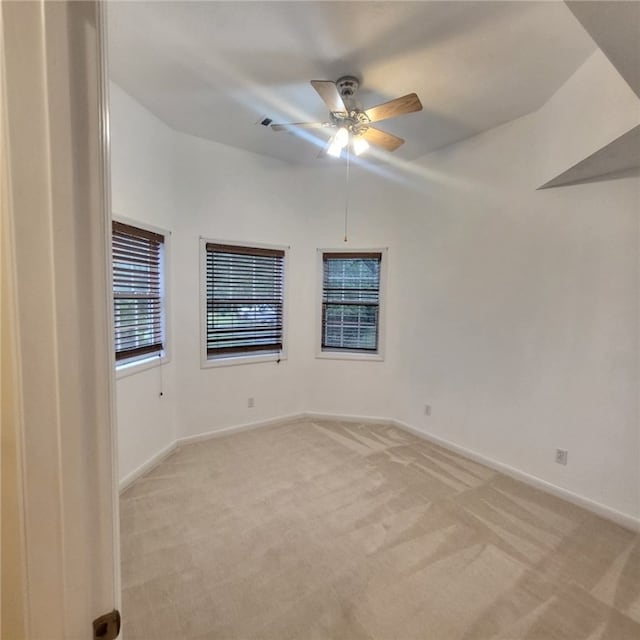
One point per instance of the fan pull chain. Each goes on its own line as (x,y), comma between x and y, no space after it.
(346,200)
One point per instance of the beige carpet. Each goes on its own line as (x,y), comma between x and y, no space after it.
(327,530)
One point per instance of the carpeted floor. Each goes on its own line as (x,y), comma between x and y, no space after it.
(315,530)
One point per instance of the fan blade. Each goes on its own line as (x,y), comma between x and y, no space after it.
(382,139)
(330,94)
(393,108)
(300,125)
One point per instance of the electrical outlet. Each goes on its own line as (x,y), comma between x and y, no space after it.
(427,409)
(561,456)
(251,403)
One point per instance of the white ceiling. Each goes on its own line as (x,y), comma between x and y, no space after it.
(213,69)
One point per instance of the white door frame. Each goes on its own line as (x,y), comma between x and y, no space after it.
(56,314)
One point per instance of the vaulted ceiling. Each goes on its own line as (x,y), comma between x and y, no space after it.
(215,69)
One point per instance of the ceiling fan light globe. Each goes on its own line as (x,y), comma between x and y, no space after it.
(360,145)
(341,138)
(334,150)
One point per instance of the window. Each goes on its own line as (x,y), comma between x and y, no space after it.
(351,302)
(244,302)
(138,292)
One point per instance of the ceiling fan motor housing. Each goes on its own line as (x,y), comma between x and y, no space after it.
(347,86)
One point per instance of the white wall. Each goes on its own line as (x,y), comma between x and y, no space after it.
(522,326)
(142,179)
(233,195)
(375,220)
(238,196)
(512,311)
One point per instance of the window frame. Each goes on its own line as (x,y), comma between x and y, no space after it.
(340,354)
(229,360)
(124,368)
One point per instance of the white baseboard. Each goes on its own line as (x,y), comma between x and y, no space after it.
(227,431)
(154,460)
(623,519)
(340,417)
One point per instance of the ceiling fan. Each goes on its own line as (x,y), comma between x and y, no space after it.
(352,124)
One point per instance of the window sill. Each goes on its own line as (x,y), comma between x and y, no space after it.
(231,361)
(131,368)
(348,355)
